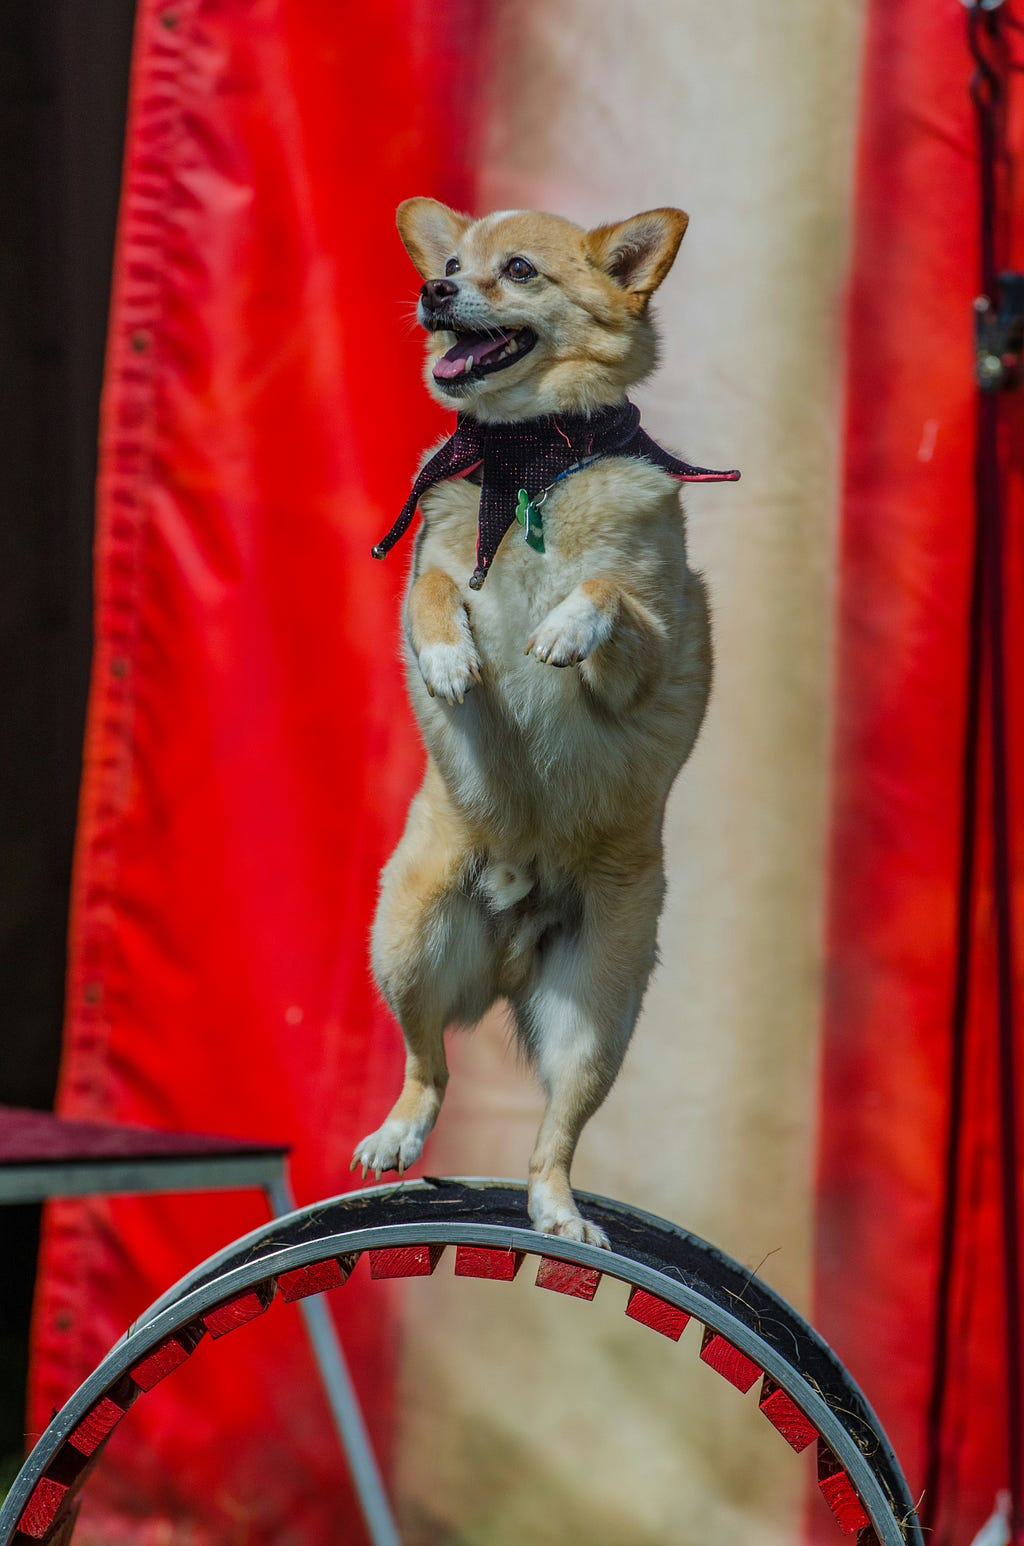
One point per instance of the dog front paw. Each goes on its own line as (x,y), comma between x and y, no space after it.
(571,632)
(449,670)
(395,1146)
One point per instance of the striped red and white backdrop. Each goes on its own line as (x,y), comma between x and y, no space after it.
(250,755)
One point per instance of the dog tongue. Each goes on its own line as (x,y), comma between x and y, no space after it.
(480,345)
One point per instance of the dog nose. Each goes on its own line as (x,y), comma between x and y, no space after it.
(436,291)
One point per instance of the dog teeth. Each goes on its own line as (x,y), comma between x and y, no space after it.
(512,347)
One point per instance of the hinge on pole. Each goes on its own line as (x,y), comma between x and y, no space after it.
(999,335)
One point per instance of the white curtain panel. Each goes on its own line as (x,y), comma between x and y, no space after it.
(525,1417)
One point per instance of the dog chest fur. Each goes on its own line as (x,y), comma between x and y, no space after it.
(535,757)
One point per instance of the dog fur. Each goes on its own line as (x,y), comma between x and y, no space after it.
(531,866)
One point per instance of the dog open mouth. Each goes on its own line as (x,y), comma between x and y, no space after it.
(480,354)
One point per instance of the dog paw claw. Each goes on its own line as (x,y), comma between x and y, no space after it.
(449,670)
(570,632)
(554,1213)
(581,1230)
(395,1146)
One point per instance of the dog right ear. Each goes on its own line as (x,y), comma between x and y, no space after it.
(431,233)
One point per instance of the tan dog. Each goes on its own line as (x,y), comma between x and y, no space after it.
(531,864)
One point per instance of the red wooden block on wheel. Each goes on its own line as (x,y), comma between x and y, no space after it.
(101,1420)
(40,1511)
(565,1277)
(316,1278)
(719,1354)
(96,1426)
(239,1311)
(167,1356)
(838,1492)
(486,1261)
(405,1261)
(784,1414)
(657,1313)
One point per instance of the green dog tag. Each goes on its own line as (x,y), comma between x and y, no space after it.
(530,518)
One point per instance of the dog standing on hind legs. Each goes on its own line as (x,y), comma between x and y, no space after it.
(531,865)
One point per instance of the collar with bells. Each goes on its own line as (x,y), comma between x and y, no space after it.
(526,454)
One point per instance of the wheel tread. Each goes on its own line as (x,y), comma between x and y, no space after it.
(240,1310)
(656,1313)
(316,1278)
(838,1491)
(566,1277)
(719,1354)
(484,1261)
(784,1414)
(167,1356)
(405,1261)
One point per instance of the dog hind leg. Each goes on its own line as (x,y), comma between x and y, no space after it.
(576,1018)
(433,959)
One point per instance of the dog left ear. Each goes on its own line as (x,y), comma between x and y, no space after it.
(638,253)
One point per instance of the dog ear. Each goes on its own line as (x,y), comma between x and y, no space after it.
(430,233)
(638,253)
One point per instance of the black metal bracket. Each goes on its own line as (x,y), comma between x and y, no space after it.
(999,335)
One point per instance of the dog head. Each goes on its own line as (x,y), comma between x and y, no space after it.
(529,314)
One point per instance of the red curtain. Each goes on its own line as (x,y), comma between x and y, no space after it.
(905,565)
(249,758)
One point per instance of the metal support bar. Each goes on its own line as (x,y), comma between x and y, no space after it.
(21,1183)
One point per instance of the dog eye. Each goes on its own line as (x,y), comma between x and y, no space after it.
(520,269)
(452,266)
